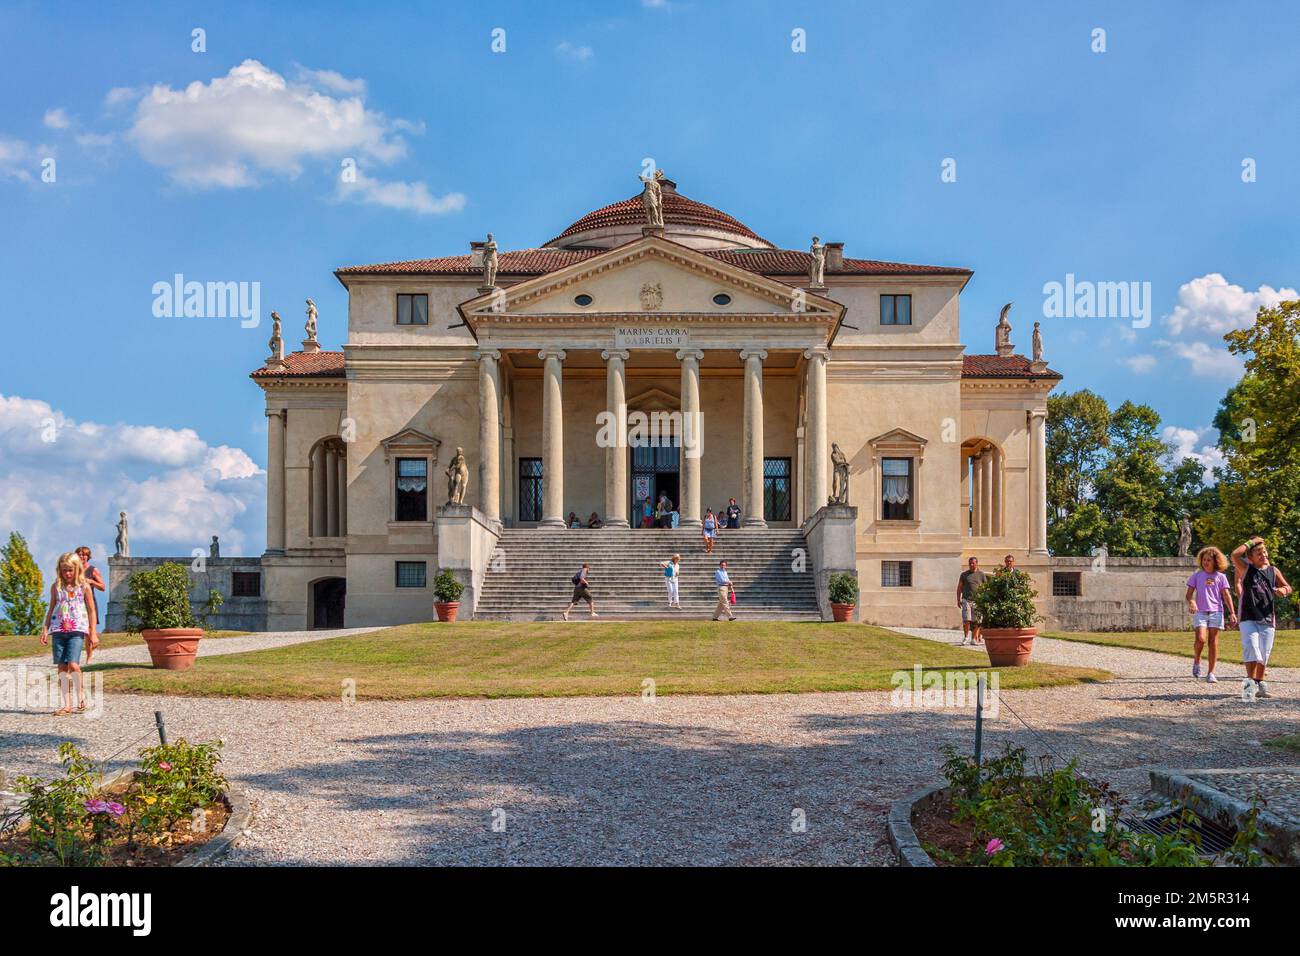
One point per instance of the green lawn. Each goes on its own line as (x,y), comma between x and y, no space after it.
(553,660)
(1286,647)
(14,645)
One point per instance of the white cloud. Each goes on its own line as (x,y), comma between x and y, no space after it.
(232,130)
(177,489)
(1211,305)
(414,197)
(332,80)
(22,160)
(1141,364)
(572,51)
(94,140)
(124,94)
(1193,443)
(58,119)
(1205,360)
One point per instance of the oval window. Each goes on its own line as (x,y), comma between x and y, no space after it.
(722,299)
(582,299)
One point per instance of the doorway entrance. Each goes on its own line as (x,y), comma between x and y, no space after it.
(328,598)
(655,471)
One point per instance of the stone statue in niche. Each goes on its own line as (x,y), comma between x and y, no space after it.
(457,478)
(840,477)
(123,543)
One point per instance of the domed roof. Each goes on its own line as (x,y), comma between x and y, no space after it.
(685,220)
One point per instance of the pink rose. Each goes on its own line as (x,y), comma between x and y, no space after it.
(993,846)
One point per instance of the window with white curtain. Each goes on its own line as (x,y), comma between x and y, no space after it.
(412,489)
(896,489)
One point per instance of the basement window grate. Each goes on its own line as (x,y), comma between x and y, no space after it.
(1215,838)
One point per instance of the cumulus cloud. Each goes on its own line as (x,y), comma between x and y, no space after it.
(58,119)
(1212,305)
(235,129)
(22,160)
(414,197)
(1193,443)
(1141,364)
(1203,359)
(62,483)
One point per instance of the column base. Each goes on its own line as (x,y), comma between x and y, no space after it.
(753,523)
(690,523)
(552,523)
(619,523)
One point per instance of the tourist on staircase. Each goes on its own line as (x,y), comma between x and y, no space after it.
(726,593)
(672,569)
(710,530)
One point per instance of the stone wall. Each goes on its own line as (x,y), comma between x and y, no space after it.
(236,614)
(1120,594)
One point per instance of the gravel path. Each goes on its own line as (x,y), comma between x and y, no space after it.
(694,780)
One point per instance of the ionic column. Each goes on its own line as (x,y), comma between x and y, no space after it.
(317,491)
(275,425)
(489,432)
(343,491)
(692,444)
(1038,481)
(995,521)
(552,438)
(331,491)
(986,493)
(616,493)
(819,449)
(752,492)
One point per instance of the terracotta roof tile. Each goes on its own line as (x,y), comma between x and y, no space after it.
(1001,366)
(678,210)
(305,365)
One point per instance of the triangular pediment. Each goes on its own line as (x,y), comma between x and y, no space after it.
(654,400)
(651,276)
(410,440)
(897,438)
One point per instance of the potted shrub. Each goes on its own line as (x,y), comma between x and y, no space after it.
(1005,602)
(158,607)
(448,591)
(843,592)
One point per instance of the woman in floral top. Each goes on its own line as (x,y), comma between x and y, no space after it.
(72,621)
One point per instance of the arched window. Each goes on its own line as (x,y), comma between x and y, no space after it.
(328,517)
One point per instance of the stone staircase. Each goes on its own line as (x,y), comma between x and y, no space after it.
(529,576)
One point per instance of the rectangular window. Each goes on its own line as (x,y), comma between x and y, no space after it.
(245,584)
(776,489)
(895,574)
(412,489)
(410,574)
(530,489)
(1067,584)
(896,489)
(895,310)
(412,309)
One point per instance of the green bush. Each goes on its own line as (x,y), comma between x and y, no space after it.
(843,588)
(173,781)
(1006,599)
(159,599)
(66,826)
(446,588)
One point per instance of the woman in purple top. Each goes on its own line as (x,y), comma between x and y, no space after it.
(1207,595)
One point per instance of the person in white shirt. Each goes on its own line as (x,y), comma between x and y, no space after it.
(725,592)
(672,569)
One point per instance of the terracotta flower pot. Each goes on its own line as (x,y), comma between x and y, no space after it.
(447,610)
(173,648)
(842,612)
(1009,646)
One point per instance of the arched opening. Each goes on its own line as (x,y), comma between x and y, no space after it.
(328,494)
(328,600)
(983,498)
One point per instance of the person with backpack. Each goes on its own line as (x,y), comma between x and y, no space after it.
(1259,585)
(672,569)
(581,592)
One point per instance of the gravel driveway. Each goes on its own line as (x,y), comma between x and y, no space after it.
(695,780)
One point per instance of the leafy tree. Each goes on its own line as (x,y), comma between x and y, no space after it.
(1078,432)
(21,588)
(1130,489)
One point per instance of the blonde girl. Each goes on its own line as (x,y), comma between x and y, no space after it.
(72,619)
(1207,596)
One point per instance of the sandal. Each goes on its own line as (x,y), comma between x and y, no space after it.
(81,708)
(62,712)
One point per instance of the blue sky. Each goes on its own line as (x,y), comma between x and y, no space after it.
(1124,165)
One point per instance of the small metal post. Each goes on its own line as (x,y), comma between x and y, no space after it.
(979,723)
(162,728)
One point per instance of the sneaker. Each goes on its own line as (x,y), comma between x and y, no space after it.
(1248,689)
(1261,690)
(1210,678)
(1196,669)
(565,615)
(594,614)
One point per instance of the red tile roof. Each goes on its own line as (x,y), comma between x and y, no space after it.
(1001,366)
(535,262)
(678,210)
(305,365)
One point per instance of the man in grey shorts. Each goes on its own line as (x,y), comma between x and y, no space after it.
(969,581)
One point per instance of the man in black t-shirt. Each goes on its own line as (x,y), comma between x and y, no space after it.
(733,514)
(967,584)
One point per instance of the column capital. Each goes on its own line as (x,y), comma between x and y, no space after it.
(276,412)
(684,354)
(747,354)
(621,354)
(551,353)
(492,354)
(817,351)
(1036,413)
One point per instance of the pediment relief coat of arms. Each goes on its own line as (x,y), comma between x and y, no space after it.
(652,296)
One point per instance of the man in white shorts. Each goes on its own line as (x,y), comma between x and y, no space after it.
(967,584)
(1259,584)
